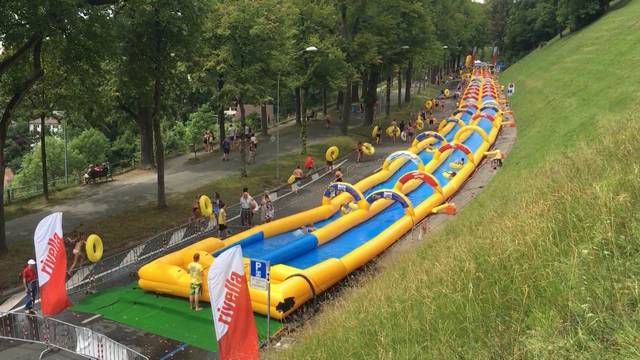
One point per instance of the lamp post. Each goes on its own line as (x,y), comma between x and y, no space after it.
(444,60)
(66,161)
(278,129)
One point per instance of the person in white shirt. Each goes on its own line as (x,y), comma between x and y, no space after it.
(247,205)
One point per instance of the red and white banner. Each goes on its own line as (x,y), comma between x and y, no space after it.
(494,55)
(51,262)
(231,307)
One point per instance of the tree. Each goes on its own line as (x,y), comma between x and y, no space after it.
(153,37)
(92,146)
(31,168)
(24,26)
(250,40)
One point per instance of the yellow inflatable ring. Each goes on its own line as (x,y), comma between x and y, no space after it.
(332,153)
(419,124)
(94,248)
(393,131)
(368,149)
(446,92)
(428,104)
(291,180)
(375,130)
(206,208)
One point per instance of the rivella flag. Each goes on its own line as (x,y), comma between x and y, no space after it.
(51,262)
(233,319)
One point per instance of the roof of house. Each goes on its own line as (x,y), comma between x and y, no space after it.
(49,120)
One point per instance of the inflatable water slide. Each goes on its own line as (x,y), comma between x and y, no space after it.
(354,223)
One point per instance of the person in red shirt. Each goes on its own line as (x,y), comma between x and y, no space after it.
(30,282)
(308,163)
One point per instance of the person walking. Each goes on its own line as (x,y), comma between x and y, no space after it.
(80,242)
(30,283)
(195,282)
(359,151)
(223,231)
(338,175)
(327,121)
(247,204)
(298,175)
(226,148)
(269,209)
(205,141)
(378,135)
(308,163)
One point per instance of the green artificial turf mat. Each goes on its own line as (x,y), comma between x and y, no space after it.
(166,316)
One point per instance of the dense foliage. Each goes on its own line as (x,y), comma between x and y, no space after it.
(520,26)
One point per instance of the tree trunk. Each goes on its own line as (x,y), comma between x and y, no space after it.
(221,118)
(346,107)
(354,92)
(324,101)
(3,242)
(407,82)
(7,115)
(371,94)
(339,99)
(305,120)
(43,158)
(297,99)
(243,140)
(157,137)
(387,104)
(145,126)
(399,87)
(263,119)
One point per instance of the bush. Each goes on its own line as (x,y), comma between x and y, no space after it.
(31,167)
(174,138)
(91,145)
(200,121)
(125,147)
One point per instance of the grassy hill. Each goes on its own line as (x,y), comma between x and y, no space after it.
(545,263)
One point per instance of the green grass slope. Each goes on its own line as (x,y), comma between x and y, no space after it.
(544,264)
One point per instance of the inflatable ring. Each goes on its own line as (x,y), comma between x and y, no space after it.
(446,92)
(455,165)
(403,136)
(375,130)
(332,153)
(94,248)
(206,209)
(368,149)
(428,104)
(393,131)
(291,180)
(419,124)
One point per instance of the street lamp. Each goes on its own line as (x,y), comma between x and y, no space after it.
(444,60)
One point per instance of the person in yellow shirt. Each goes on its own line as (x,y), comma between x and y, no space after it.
(222,221)
(195,282)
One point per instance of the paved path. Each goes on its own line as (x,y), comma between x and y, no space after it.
(139,187)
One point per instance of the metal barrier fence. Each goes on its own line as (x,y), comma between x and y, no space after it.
(57,334)
(15,193)
(128,260)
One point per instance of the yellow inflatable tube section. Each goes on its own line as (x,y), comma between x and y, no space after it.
(291,286)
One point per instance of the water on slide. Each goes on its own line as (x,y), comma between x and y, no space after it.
(260,249)
(363,232)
